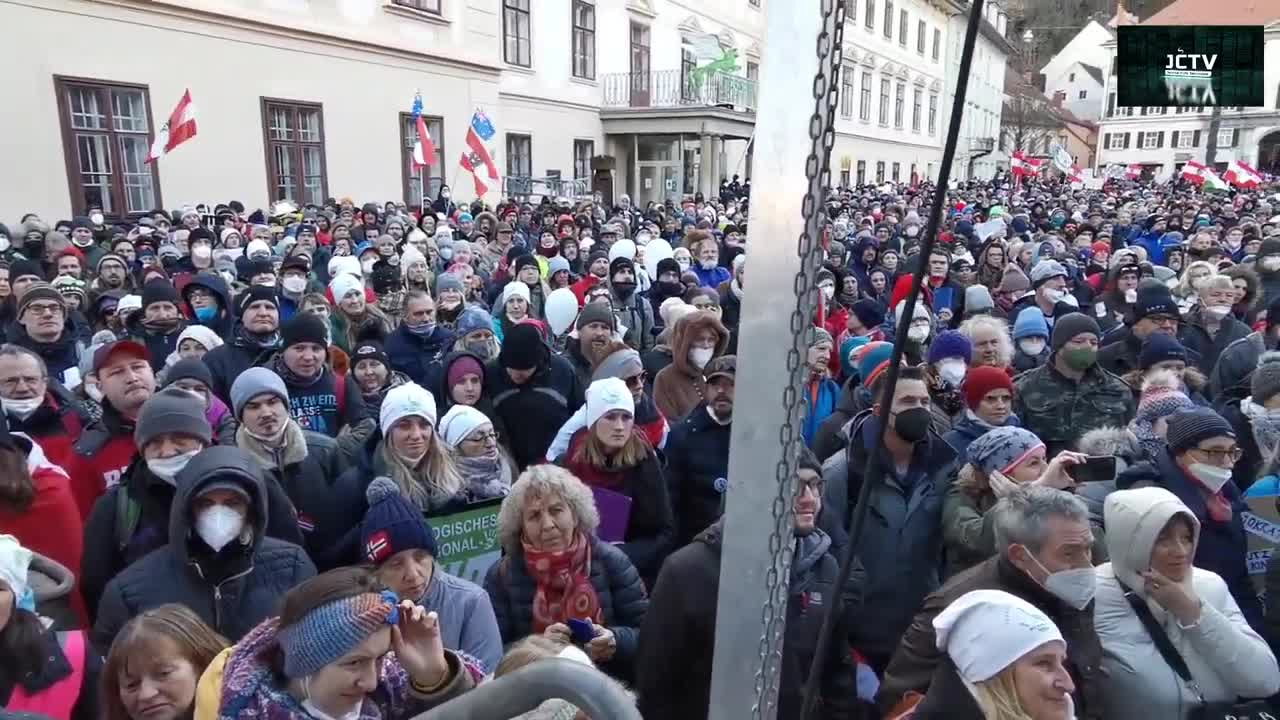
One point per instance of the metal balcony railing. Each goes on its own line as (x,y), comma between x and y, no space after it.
(676,88)
(982,144)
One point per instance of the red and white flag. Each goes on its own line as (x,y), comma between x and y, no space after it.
(1193,172)
(424,151)
(1241,175)
(179,128)
(1133,171)
(1074,175)
(1021,165)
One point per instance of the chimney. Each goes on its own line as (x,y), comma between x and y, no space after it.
(1058,97)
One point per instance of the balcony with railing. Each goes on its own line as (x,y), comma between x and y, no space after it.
(982,144)
(679,89)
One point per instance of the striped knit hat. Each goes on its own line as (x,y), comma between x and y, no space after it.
(1003,449)
(1188,428)
(333,630)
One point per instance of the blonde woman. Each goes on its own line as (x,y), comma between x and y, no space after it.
(1185,292)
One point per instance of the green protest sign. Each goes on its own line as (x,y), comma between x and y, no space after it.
(467,541)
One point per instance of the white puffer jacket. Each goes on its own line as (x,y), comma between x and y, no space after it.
(1227,659)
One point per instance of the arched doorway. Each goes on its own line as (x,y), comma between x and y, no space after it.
(1269,153)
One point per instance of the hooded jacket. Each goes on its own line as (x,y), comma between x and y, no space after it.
(232,590)
(1221,547)
(1196,338)
(1226,658)
(1120,356)
(417,356)
(213,282)
(679,387)
(635,314)
(552,395)
(228,361)
(828,439)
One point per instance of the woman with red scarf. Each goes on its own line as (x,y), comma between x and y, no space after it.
(554,569)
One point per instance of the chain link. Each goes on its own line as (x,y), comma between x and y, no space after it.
(829,48)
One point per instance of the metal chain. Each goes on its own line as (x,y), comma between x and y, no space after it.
(829,48)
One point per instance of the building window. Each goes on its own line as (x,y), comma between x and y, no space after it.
(583,151)
(920,32)
(1153,111)
(1071,77)
(851,11)
(753,72)
(884,101)
(902,27)
(846,92)
(870,19)
(864,105)
(519,157)
(917,99)
(933,114)
(410,178)
(937,43)
(688,61)
(431,6)
(1083,94)
(899,103)
(1226,138)
(888,19)
(844,178)
(1115,141)
(106,136)
(896,171)
(295,150)
(862,172)
(879,171)
(584,40)
(1186,139)
(1151,140)
(516,32)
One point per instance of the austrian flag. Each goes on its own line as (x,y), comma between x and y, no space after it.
(424,151)
(180,128)
(476,159)
(1021,165)
(1241,175)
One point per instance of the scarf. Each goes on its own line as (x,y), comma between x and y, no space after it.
(163,327)
(245,338)
(290,377)
(487,477)
(1215,503)
(562,584)
(291,450)
(847,300)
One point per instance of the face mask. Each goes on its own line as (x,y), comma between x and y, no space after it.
(446,253)
(272,439)
(96,218)
(367,265)
(1074,587)
(422,330)
(700,356)
(294,284)
(1216,312)
(913,425)
(201,253)
(81,243)
(446,194)
(952,372)
(484,348)
(4,243)
(912,231)
(1271,263)
(21,409)
(167,468)
(828,291)
(218,526)
(1210,476)
(1131,295)
(1079,359)
(917,333)
(1054,295)
(684,264)
(1031,346)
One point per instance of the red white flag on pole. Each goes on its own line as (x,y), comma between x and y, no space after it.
(424,151)
(1133,171)
(1193,172)
(1075,175)
(179,128)
(1021,165)
(1241,175)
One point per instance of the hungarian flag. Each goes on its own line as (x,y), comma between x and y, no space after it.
(1133,171)
(1241,175)
(1212,181)
(179,128)
(476,159)
(424,151)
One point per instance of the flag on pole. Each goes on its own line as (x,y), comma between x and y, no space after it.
(1133,171)
(1193,172)
(476,159)
(1241,175)
(179,128)
(424,151)
(1074,174)
(1212,181)
(1020,164)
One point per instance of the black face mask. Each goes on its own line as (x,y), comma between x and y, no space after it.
(913,425)
(624,289)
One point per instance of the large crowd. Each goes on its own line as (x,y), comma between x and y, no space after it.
(230,440)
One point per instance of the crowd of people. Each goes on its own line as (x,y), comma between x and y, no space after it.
(226,435)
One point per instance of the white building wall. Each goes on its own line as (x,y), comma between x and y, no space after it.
(1088,46)
(1071,83)
(984,96)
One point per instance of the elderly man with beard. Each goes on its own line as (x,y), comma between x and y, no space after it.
(595,324)
(698,454)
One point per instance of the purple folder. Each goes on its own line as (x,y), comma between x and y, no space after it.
(614,509)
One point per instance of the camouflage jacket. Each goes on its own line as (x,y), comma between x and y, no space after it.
(1059,410)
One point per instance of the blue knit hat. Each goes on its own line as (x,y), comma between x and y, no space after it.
(392,524)
(1002,449)
(871,360)
(1030,323)
(334,629)
(1160,348)
(849,368)
(472,319)
(950,344)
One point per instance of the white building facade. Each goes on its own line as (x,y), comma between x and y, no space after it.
(978,151)
(1082,88)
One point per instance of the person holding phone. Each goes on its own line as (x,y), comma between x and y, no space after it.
(997,463)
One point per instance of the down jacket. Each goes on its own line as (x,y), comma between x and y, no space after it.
(255,578)
(678,388)
(622,596)
(1226,657)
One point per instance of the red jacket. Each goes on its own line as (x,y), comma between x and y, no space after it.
(583,286)
(93,470)
(57,436)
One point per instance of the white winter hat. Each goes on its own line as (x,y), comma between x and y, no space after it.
(411,255)
(345,264)
(255,247)
(986,631)
(344,284)
(515,289)
(668,306)
(129,303)
(461,421)
(405,400)
(201,334)
(622,249)
(14,561)
(607,395)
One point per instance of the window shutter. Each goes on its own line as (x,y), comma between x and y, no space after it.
(1106,140)
(1235,137)
(1173,138)
(1126,141)
(1160,139)
(1195,139)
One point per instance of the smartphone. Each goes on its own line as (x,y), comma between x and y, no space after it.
(1097,468)
(582,631)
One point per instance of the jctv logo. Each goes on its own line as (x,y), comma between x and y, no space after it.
(1187,65)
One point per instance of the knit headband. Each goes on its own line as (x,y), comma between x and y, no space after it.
(333,630)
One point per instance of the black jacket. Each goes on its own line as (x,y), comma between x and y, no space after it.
(697,472)
(679,636)
(1196,338)
(551,396)
(59,356)
(623,601)
(227,362)
(159,345)
(232,590)
(418,357)
(1121,356)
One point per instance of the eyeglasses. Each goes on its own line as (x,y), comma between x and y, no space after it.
(815,483)
(1219,456)
(1163,319)
(44,309)
(482,438)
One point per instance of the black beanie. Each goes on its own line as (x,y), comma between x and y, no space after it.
(1071,325)
(621,263)
(522,262)
(304,328)
(868,312)
(189,369)
(202,233)
(667,265)
(25,267)
(253,295)
(370,350)
(522,348)
(158,291)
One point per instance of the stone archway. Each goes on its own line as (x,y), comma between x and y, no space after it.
(1269,153)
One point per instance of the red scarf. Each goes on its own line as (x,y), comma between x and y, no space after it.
(563,582)
(1217,506)
(610,479)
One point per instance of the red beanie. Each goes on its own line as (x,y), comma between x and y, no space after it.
(981,380)
(1101,246)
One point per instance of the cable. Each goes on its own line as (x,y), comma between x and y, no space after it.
(872,475)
